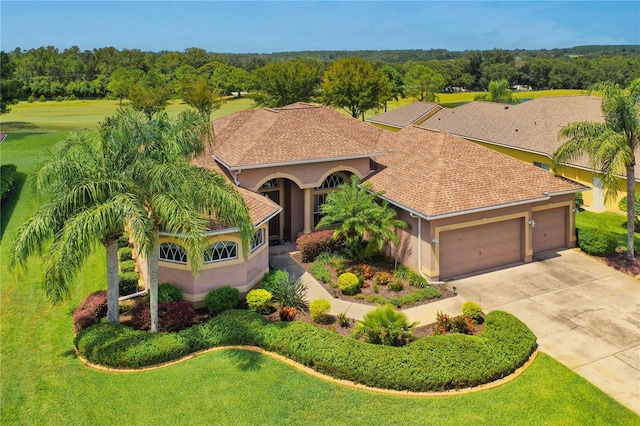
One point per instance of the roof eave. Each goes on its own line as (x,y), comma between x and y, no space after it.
(295,163)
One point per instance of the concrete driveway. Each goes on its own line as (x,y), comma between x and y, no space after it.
(585,314)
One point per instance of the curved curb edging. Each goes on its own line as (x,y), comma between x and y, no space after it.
(327,378)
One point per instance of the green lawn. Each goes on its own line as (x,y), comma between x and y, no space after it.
(611,222)
(43,382)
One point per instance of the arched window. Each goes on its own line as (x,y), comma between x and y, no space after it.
(270,184)
(320,194)
(172,252)
(258,239)
(222,250)
(331,181)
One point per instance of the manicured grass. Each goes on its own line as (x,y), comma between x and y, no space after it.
(64,116)
(43,382)
(611,222)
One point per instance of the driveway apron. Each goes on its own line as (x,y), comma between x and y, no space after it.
(585,314)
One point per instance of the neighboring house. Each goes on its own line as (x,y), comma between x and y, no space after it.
(465,216)
(400,118)
(529,132)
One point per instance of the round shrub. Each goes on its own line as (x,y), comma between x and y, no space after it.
(222,299)
(59,99)
(472,310)
(319,309)
(90,311)
(272,278)
(349,283)
(125,253)
(127,265)
(128,283)
(168,292)
(42,99)
(31,99)
(597,242)
(72,97)
(259,300)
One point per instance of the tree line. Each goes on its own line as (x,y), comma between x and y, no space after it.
(278,78)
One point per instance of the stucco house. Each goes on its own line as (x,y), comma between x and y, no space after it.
(464,216)
(527,131)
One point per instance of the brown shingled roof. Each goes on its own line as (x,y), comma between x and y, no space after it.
(435,173)
(406,115)
(530,126)
(293,134)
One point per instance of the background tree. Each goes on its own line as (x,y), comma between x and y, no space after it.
(396,84)
(10,88)
(90,201)
(150,94)
(498,92)
(423,83)
(355,86)
(365,225)
(199,94)
(122,80)
(285,83)
(611,146)
(229,79)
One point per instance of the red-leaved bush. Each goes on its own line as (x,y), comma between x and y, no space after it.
(90,311)
(311,245)
(172,316)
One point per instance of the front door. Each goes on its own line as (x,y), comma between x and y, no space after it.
(274,223)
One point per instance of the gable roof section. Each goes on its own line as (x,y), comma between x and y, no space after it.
(406,115)
(531,126)
(296,134)
(436,174)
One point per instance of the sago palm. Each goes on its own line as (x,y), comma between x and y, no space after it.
(385,326)
(610,146)
(89,201)
(179,197)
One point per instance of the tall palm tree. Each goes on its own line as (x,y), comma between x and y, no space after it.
(611,146)
(365,225)
(89,201)
(179,197)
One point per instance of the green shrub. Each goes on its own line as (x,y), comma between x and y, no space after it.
(7,177)
(72,97)
(291,292)
(128,283)
(319,309)
(420,295)
(222,299)
(396,285)
(320,272)
(434,363)
(127,266)
(597,242)
(324,258)
(418,281)
(259,300)
(31,99)
(376,298)
(271,280)
(125,253)
(168,292)
(385,326)
(42,99)
(123,241)
(403,272)
(579,200)
(622,205)
(343,320)
(59,99)
(349,283)
(472,310)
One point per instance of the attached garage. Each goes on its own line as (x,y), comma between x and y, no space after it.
(550,230)
(475,248)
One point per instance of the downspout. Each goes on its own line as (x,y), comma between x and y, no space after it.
(235,177)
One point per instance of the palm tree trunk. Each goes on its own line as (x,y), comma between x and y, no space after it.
(152,265)
(113,281)
(631,210)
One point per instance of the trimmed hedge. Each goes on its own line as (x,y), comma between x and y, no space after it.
(90,311)
(128,283)
(7,176)
(597,242)
(172,316)
(168,292)
(433,363)
(311,245)
(127,265)
(222,299)
(125,253)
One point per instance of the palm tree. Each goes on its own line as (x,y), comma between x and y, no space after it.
(385,326)
(498,92)
(365,225)
(179,197)
(610,146)
(90,201)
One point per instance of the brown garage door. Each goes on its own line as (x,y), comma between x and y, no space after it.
(472,249)
(550,230)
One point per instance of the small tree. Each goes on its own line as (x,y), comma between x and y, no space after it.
(498,92)
(422,83)
(365,225)
(149,95)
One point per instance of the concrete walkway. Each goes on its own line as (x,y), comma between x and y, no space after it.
(585,314)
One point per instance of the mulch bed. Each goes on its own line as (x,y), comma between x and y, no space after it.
(620,263)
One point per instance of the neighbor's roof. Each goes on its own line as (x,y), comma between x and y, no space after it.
(434,173)
(406,115)
(260,208)
(530,126)
(298,133)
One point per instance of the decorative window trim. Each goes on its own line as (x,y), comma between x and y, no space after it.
(173,252)
(332,181)
(271,184)
(258,240)
(221,251)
